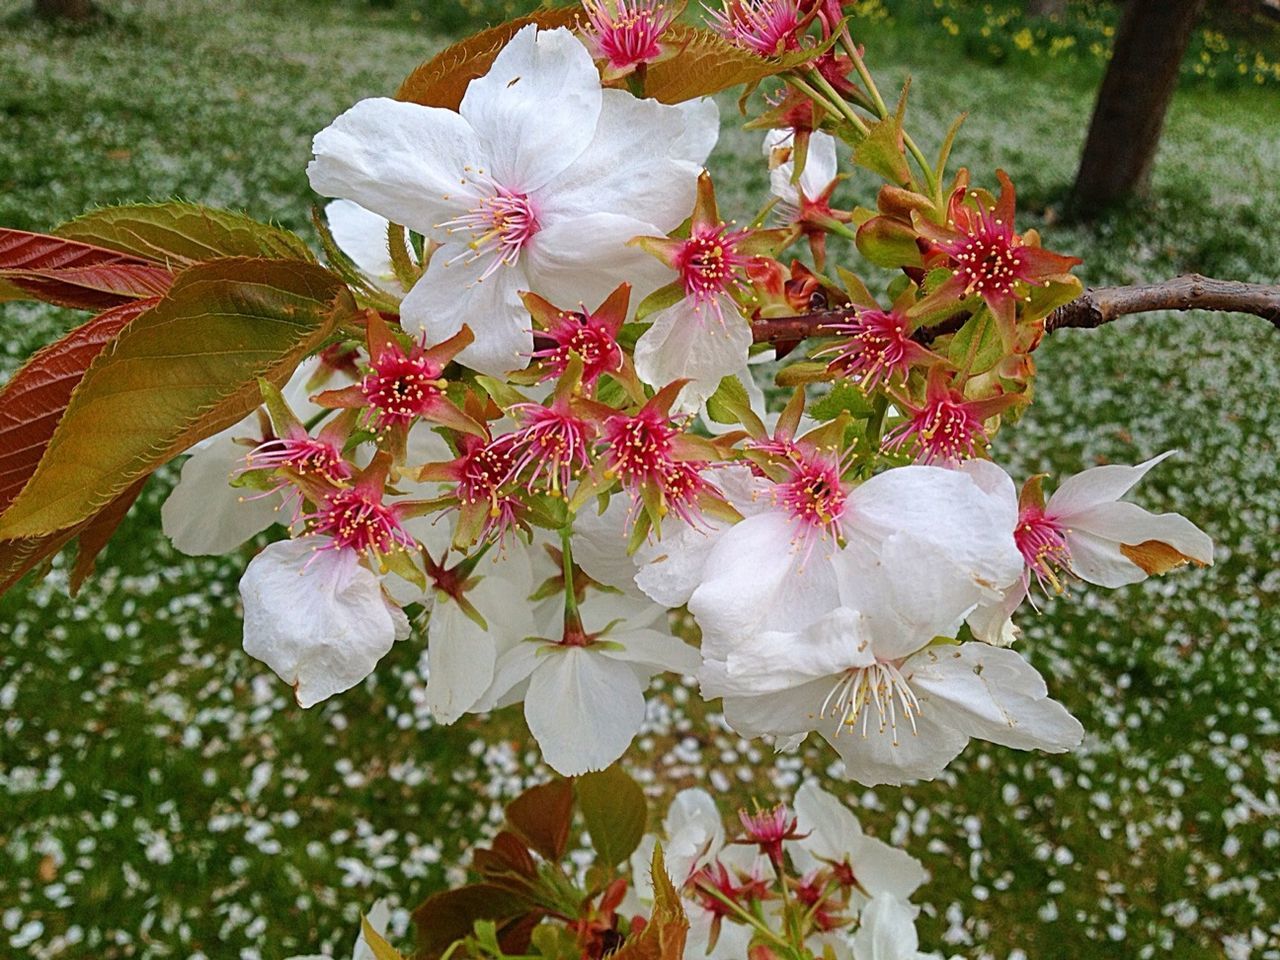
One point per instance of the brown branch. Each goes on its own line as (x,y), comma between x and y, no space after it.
(1092,309)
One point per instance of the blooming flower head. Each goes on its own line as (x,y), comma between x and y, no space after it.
(946,427)
(552,444)
(356,519)
(480,474)
(987,257)
(628,33)
(766,27)
(652,458)
(591,336)
(536,182)
(876,347)
(769,830)
(404,383)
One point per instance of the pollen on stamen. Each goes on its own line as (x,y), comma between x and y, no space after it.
(500,225)
(1043,544)
(880,686)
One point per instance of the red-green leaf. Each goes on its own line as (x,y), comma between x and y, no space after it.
(450,915)
(613,805)
(181,371)
(706,63)
(664,935)
(541,815)
(69,273)
(180,234)
(442,80)
(33,401)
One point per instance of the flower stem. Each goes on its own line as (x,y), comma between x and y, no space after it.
(572,619)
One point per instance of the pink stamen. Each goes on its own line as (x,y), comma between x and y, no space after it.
(1043,543)
(815,497)
(357,519)
(641,454)
(766,27)
(553,444)
(626,32)
(708,264)
(591,339)
(946,429)
(879,348)
(402,385)
(988,255)
(501,224)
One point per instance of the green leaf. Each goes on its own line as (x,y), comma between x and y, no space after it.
(976,347)
(880,151)
(541,816)
(889,243)
(844,397)
(663,937)
(729,398)
(179,234)
(660,299)
(613,805)
(178,373)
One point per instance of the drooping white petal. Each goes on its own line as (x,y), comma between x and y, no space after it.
(886,931)
(671,568)
(1097,485)
(688,342)
(945,509)
(1095,537)
(204,515)
(582,259)
(316,617)
(402,161)
(632,165)
(362,235)
(701,130)
(583,709)
(600,545)
(460,659)
(772,660)
(757,559)
(993,694)
(451,293)
(991,621)
(784,713)
(536,109)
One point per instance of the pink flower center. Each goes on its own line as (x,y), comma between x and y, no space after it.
(402,386)
(501,224)
(628,34)
(681,486)
(358,520)
(552,444)
(486,469)
(879,348)
(766,27)
(815,497)
(301,454)
(708,263)
(1043,544)
(639,447)
(988,258)
(946,429)
(590,339)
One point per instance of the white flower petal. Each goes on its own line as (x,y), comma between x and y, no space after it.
(701,130)
(1097,485)
(451,294)
(583,709)
(657,651)
(600,544)
(884,755)
(575,260)
(633,164)
(685,342)
(316,617)
(783,713)
(362,235)
(992,694)
(204,514)
(886,931)
(776,660)
(536,109)
(1095,536)
(460,661)
(400,160)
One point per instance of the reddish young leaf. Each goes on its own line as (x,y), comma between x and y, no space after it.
(32,403)
(78,275)
(541,815)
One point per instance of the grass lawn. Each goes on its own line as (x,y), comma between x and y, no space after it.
(160,795)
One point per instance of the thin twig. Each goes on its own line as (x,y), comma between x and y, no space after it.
(1092,309)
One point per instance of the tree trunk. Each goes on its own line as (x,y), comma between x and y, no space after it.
(1133,100)
(75,10)
(1053,9)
